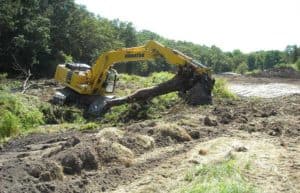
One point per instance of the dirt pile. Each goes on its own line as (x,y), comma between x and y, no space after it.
(59,163)
(105,159)
(281,72)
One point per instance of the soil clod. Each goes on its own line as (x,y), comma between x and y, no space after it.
(210,122)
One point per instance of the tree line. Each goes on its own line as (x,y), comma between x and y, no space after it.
(37,35)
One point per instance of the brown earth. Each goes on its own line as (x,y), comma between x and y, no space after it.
(154,155)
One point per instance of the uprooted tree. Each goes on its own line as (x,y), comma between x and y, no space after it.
(195,89)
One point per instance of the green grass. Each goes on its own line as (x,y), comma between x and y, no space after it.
(21,113)
(88,126)
(221,89)
(140,81)
(224,177)
(120,114)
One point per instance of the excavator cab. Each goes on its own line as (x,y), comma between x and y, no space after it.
(110,81)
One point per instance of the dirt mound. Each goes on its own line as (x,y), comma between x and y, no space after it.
(109,158)
(281,72)
(174,132)
(138,143)
(74,162)
(45,172)
(109,152)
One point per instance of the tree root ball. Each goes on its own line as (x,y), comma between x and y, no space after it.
(71,164)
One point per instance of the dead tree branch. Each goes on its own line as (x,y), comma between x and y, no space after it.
(24,73)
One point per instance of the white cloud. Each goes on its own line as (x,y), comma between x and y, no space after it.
(248,25)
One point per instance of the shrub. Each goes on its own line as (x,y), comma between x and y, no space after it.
(9,124)
(294,66)
(221,89)
(18,113)
(242,68)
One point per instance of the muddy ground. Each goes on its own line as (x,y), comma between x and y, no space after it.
(155,155)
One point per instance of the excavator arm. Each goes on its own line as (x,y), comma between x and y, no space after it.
(91,81)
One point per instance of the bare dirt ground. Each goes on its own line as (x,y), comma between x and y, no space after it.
(155,155)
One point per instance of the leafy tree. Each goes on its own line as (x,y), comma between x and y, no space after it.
(237,58)
(39,34)
(25,33)
(271,59)
(251,61)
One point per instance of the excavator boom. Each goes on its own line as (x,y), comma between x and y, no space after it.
(100,78)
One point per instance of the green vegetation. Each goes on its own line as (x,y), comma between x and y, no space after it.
(224,177)
(141,111)
(151,80)
(18,113)
(137,111)
(88,126)
(294,66)
(221,89)
(21,113)
(242,68)
(6,84)
(38,35)
(61,114)
(157,105)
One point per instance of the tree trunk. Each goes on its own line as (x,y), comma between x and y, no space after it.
(195,89)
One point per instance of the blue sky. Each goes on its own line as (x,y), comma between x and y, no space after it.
(248,25)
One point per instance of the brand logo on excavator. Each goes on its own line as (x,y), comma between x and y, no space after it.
(137,55)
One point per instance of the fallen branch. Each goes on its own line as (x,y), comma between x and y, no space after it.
(25,86)
(24,72)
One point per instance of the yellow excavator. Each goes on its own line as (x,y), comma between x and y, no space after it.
(97,81)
